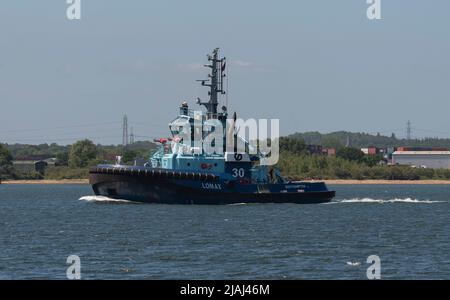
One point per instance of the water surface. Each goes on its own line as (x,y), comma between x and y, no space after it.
(406,226)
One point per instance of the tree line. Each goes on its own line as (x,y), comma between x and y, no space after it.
(348,163)
(340,139)
(73,161)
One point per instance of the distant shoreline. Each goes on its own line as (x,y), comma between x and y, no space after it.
(331,181)
(392,182)
(48,181)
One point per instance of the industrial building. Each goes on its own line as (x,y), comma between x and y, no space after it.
(422,159)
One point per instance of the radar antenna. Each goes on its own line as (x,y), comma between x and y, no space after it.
(215,83)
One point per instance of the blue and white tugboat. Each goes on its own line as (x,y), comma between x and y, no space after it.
(181,173)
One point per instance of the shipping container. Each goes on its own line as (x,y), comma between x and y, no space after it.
(372,151)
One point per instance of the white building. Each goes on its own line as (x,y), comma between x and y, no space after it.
(422,159)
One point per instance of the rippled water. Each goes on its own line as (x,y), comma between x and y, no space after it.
(406,226)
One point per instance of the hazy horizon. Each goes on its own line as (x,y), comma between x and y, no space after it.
(315,65)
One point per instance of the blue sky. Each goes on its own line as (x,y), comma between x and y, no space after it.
(314,64)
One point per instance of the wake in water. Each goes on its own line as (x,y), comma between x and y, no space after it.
(103,199)
(381,201)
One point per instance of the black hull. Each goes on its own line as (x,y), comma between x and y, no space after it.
(167,191)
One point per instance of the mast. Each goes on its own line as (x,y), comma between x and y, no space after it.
(214,82)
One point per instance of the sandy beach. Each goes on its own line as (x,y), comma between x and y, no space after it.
(332,181)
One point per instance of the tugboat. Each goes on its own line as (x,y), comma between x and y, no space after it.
(180,173)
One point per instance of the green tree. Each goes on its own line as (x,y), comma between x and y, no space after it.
(6,166)
(372,160)
(62,159)
(294,145)
(5,156)
(331,142)
(82,154)
(351,154)
(129,156)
